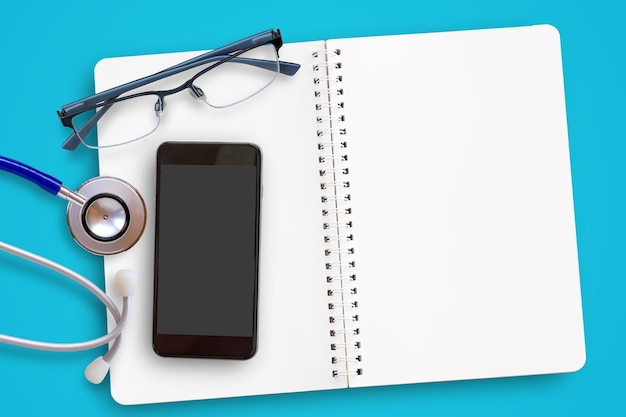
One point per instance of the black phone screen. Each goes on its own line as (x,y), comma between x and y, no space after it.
(206,258)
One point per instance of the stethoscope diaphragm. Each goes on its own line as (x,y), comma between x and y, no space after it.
(111,220)
(105,217)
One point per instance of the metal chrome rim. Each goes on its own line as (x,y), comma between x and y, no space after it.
(112,220)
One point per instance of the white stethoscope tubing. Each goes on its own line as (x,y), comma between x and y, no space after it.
(120,318)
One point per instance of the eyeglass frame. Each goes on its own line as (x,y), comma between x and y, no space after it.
(228,53)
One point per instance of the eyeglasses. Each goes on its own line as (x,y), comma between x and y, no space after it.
(220,78)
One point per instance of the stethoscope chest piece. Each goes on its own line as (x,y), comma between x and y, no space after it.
(111,220)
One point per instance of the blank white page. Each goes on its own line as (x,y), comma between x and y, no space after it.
(293,340)
(463,217)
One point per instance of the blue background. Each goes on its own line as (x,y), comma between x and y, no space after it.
(48,52)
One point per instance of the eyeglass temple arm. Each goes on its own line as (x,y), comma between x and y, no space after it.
(286,68)
(72,142)
(269,36)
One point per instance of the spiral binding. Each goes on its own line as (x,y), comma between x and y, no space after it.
(332,145)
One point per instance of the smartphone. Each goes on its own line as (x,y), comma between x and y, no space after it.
(208,198)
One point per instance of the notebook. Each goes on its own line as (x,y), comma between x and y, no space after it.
(417,217)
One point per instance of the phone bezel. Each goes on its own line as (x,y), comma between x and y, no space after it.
(206,346)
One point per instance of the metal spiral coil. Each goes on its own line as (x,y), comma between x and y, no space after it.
(332,139)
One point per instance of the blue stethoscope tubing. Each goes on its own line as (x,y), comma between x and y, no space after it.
(124,280)
(46,182)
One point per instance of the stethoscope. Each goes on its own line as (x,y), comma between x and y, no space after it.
(105,215)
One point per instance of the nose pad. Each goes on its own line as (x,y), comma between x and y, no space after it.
(159,106)
(196,92)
